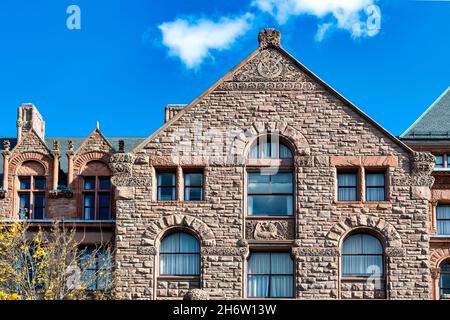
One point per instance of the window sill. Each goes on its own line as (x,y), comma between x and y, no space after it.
(176,202)
(269,217)
(363,203)
(178,278)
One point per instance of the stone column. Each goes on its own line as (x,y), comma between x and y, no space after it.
(6,154)
(70,155)
(56,156)
(180,184)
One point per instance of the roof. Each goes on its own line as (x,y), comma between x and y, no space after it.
(130,144)
(434,123)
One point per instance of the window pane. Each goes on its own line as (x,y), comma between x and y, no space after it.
(259,263)
(89,206)
(166,193)
(375,179)
(180,255)
(439,161)
(166,179)
(281,263)
(258,286)
(347,179)
(24,206)
(347,194)
(285,152)
(89,183)
(281,183)
(104,200)
(193,179)
(180,243)
(443,220)
(445,283)
(39,183)
(39,206)
(270,205)
(104,183)
(365,265)
(193,194)
(25,183)
(103,214)
(281,286)
(375,194)
(258,183)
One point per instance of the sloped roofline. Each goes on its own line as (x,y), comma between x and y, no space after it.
(90,135)
(19,143)
(404,134)
(301,67)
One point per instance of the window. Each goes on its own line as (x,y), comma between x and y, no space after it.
(362,256)
(375,186)
(96,198)
(439,161)
(444,283)
(32,197)
(180,255)
(166,186)
(270,275)
(443,220)
(270,194)
(267,147)
(347,186)
(96,269)
(193,186)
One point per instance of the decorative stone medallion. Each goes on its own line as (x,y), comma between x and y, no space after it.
(270,68)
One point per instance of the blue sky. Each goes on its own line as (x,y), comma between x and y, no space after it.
(133,57)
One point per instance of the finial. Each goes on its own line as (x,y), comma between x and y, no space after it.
(98,125)
(6,145)
(70,145)
(121,146)
(269,38)
(55,145)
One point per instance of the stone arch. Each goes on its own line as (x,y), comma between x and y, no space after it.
(293,136)
(18,160)
(31,168)
(438,256)
(158,229)
(340,230)
(82,160)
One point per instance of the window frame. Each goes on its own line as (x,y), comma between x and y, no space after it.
(384,172)
(174,187)
(357,187)
(185,186)
(441,274)
(270,275)
(382,254)
(437,219)
(97,268)
(32,192)
(96,192)
(292,194)
(198,254)
(261,148)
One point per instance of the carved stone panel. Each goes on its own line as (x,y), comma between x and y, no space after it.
(274,229)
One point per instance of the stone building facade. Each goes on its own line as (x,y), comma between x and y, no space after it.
(269,184)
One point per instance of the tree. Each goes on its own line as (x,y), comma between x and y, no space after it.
(52,265)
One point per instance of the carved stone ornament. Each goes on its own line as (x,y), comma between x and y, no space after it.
(130,181)
(196,294)
(121,164)
(6,145)
(142,159)
(268,230)
(395,252)
(303,161)
(422,165)
(315,252)
(150,250)
(225,251)
(269,37)
(435,272)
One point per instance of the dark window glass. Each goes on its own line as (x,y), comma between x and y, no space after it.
(439,162)
(96,269)
(270,194)
(25,183)
(193,186)
(270,275)
(104,204)
(39,183)
(362,255)
(443,220)
(375,187)
(24,206)
(89,183)
(104,183)
(444,282)
(166,186)
(180,255)
(39,206)
(89,206)
(347,186)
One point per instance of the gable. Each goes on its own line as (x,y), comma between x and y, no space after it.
(271,69)
(31,142)
(96,142)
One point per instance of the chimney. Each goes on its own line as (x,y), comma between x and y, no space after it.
(173,109)
(28,117)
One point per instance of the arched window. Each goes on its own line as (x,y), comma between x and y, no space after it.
(31,190)
(269,147)
(270,275)
(96,186)
(180,255)
(362,256)
(444,283)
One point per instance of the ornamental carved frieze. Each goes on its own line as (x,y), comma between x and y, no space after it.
(147,250)
(315,252)
(270,230)
(303,161)
(225,251)
(422,165)
(121,164)
(395,252)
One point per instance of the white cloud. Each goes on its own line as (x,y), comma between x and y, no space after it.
(349,15)
(192,40)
